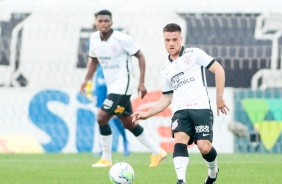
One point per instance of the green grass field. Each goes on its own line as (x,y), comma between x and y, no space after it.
(75,169)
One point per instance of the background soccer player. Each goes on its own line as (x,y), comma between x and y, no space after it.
(100,93)
(184,80)
(113,50)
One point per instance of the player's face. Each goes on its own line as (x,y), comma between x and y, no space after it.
(173,43)
(104,23)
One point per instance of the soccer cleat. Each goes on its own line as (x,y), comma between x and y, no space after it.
(210,180)
(156,159)
(102,163)
(180,182)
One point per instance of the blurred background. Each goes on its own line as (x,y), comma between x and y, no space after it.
(43,55)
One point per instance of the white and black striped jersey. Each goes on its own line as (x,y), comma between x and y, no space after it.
(185,78)
(114,56)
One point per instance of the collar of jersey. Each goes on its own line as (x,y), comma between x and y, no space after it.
(108,36)
(180,54)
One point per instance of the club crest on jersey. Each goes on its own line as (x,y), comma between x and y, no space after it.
(119,109)
(114,49)
(187,59)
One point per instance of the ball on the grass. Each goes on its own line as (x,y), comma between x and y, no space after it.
(121,173)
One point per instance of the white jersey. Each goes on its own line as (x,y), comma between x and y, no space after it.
(185,78)
(114,56)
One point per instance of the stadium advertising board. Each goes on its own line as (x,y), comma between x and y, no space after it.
(54,120)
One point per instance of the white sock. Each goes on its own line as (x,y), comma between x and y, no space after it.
(106,144)
(147,141)
(180,165)
(212,168)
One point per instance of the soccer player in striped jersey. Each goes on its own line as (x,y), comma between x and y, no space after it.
(184,81)
(113,51)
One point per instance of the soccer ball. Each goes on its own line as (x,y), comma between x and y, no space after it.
(121,173)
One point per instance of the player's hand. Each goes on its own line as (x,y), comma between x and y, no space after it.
(138,115)
(221,106)
(82,87)
(142,89)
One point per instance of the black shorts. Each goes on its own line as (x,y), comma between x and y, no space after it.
(197,123)
(119,105)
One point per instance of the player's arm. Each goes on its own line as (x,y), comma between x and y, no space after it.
(142,66)
(217,69)
(91,66)
(161,105)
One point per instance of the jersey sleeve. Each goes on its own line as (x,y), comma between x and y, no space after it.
(167,88)
(91,52)
(203,58)
(129,45)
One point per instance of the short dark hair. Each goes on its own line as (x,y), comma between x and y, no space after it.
(172,27)
(104,12)
(96,15)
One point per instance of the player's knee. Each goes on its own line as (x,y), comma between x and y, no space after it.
(102,120)
(181,137)
(129,125)
(127,122)
(137,130)
(204,146)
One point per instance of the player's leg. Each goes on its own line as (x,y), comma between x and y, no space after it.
(210,156)
(100,94)
(203,120)
(181,156)
(158,154)
(115,132)
(118,124)
(105,139)
(183,133)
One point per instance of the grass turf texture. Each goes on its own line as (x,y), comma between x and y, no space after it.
(75,169)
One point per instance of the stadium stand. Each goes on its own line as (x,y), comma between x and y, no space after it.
(269,27)
(10,32)
(230,39)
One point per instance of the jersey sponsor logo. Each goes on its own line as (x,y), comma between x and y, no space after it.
(108,104)
(202,128)
(110,66)
(104,58)
(103,61)
(188,50)
(187,105)
(174,124)
(183,82)
(177,83)
(119,109)
(175,79)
